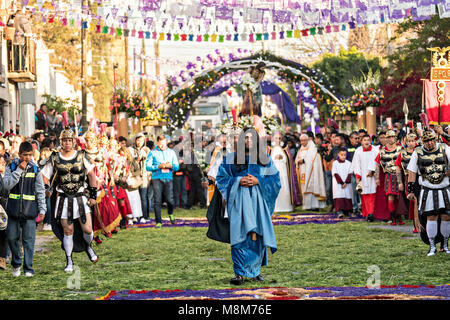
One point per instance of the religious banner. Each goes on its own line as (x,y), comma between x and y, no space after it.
(437,90)
(433,106)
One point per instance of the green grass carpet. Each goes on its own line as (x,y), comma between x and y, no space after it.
(184,258)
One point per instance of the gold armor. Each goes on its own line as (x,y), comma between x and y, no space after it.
(103,141)
(432,164)
(71,174)
(387,160)
(406,157)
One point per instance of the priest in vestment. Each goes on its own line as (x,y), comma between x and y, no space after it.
(289,196)
(312,181)
(250,185)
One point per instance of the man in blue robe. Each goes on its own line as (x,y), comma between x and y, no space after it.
(249,182)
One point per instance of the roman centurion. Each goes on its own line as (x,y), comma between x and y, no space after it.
(73,180)
(430,163)
(386,161)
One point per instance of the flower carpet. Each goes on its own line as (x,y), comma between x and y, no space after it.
(282,219)
(400,292)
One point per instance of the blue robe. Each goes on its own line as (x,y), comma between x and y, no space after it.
(249,210)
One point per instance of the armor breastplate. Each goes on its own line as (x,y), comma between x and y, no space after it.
(387,159)
(95,158)
(71,173)
(432,164)
(406,156)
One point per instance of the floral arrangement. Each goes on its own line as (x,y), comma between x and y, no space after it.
(227,126)
(344,109)
(180,101)
(370,97)
(250,83)
(245,122)
(271,125)
(137,105)
(367,91)
(154,113)
(132,105)
(121,102)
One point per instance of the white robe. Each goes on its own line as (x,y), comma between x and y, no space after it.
(312,182)
(343,170)
(364,162)
(283,202)
(135,203)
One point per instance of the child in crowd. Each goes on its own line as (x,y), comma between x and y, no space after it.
(342,186)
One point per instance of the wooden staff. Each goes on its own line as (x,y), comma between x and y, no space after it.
(99,217)
(416,216)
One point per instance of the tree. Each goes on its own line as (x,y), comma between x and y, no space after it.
(70,105)
(370,39)
(410,62)
(411,40)
(66,43)
(345,66)
(395,91)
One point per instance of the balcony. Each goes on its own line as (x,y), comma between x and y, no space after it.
(22,61)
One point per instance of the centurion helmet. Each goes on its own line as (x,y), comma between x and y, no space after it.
(428,135)
(67,133)
(391,133)
(411,136)
(90,135)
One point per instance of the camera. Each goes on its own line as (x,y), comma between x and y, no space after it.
(323,148)
(359,188)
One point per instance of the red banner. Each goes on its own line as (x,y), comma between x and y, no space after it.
(432,103)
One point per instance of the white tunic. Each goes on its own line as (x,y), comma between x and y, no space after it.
(343,170)
(47,172)
(364,162)
(135,203)
(283,202)
(429,204)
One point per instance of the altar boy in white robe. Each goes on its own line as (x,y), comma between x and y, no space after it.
(342,184)
(364,168)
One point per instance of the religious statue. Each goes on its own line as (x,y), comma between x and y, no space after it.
(253,93)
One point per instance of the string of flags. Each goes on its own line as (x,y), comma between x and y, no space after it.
(199,20)
(201,37)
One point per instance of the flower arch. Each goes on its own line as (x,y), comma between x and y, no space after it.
(180,100)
